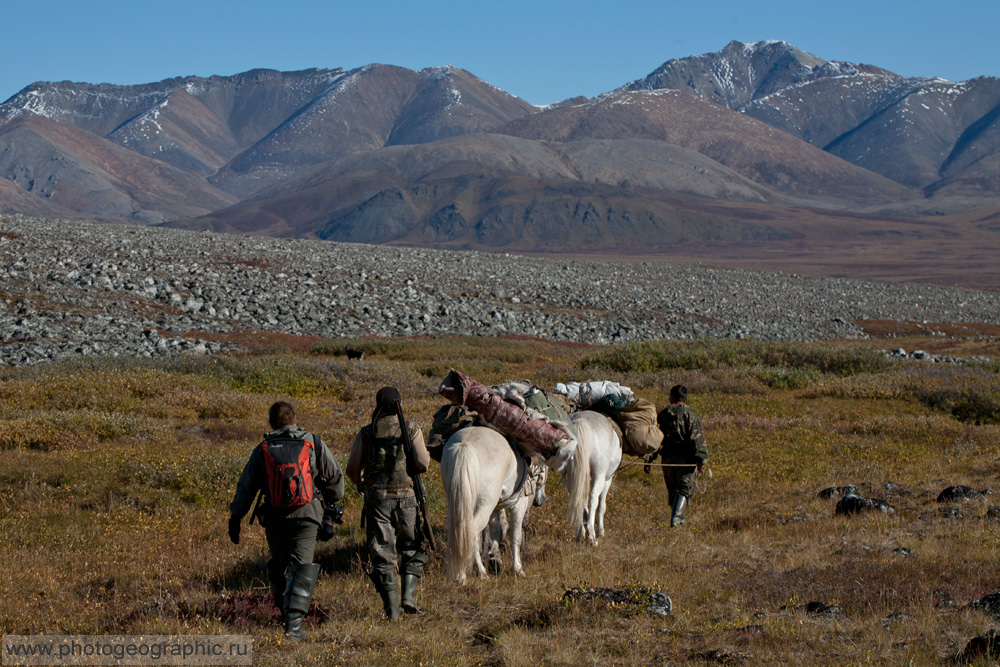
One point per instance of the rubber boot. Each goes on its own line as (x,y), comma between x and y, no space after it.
(409,601)
(389,592)
(677,519)
(298,595)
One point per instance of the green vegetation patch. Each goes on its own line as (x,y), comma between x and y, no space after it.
(788,364)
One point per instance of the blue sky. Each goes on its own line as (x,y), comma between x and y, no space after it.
(543,51)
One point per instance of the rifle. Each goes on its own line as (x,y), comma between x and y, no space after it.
(418,486)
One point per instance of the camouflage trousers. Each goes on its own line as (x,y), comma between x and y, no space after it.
(395,539)
(679,481)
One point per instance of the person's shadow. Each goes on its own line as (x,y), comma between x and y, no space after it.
(342,559)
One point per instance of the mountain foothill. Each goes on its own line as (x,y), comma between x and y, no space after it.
(754,145)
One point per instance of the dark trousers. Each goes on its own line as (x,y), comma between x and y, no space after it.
(291,542)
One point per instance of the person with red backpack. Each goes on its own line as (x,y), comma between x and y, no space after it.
(287,469)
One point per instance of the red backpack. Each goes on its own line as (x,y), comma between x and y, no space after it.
(289,476)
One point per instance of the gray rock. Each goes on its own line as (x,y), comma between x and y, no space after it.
(839,491)
(821,608)
(654,601)
(989,604)
(897,617)
(958,494)
(854,504)
(985,646)
(183,283)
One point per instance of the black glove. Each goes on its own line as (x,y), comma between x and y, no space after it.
(234,530)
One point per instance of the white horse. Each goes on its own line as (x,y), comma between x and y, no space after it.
(482,476)
(589,472)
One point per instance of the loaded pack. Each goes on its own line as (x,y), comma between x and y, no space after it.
(636,417)
(288,470)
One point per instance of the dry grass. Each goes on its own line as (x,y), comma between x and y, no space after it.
(118,474)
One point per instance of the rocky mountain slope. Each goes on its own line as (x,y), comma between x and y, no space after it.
(502,191)
(366,109)
(918,132)
(757,151)
(84,173)
(248,131)
(439,157)
(243,107)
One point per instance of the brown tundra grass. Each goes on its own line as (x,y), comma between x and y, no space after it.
(117,477)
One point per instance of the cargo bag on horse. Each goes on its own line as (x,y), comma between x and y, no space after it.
(638,424)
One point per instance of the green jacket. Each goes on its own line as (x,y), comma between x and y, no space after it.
(683,437)
(328,480)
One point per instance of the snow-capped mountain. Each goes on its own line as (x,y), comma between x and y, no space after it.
(384,153)
(920,132)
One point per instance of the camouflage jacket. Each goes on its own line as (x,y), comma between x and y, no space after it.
(378,465)
(328,479)
(683,437)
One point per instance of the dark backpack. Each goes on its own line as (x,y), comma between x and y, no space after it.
(289,475)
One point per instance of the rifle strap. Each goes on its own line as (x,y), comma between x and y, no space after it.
(407,441)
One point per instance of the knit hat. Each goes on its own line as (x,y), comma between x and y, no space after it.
(386,403)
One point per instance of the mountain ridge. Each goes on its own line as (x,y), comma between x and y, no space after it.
(860,113)
(437,156)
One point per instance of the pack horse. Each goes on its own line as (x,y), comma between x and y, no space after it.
(589,472)
(482,476)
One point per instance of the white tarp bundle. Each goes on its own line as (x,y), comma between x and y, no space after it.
(586,394)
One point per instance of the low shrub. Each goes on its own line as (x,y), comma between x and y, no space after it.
(659,355)
(968,393)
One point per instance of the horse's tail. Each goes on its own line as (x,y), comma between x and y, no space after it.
(459,473)
(577,476)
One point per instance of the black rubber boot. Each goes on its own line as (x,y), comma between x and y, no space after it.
(409,601)
(389,592)
(677,519)
(298,595)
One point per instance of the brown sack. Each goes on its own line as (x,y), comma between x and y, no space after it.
(638,423)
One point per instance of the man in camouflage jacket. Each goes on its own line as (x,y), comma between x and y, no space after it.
(291,533)
(683,442)
(378,466)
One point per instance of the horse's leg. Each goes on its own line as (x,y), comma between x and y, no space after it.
(608,475)
(601,507)
(492,540)
(516,531)
(596,492)
(481,518)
